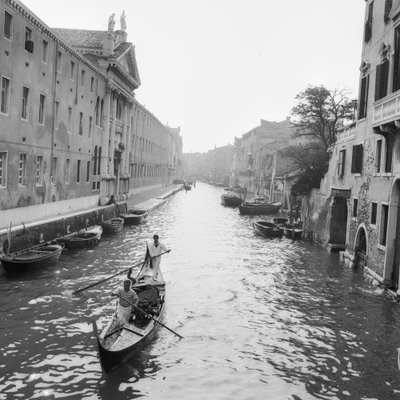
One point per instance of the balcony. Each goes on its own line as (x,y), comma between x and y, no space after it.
(386,110)
(346,133)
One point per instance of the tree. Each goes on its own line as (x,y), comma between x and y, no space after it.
(320,112)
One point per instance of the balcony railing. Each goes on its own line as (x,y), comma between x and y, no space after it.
(346,133)
(386,110)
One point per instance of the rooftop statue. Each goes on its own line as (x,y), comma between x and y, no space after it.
(111,23)
(123,21)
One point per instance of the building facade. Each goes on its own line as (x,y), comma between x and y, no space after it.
(360,195)
(71,131)
(258,159)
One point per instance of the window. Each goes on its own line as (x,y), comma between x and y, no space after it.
(97,111)
(341,163)
(368,23)
(357,159)
(42,99)
(119,110)
(83,73)
(69,125)
(56,116)
(67,171)
(374,212)
(53,170)
(355,207)
(7,25)
(3,169)
(39,170)
(28,40)
(396,60)
(95,161)
(78,171)
(72,71)
(388,7)
(92,84)
(384,224)
(382,78)
(389,153)
(25,102)
(101,113)
(45,50)
(98,165)
(59,61)
(80,123)
(87,171)
(362,110)
(22,170)
(378,155)
(90,127)
(5,95)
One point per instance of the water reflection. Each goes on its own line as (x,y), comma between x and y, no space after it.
(261,318)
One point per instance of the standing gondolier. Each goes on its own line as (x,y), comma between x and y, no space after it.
(154,251)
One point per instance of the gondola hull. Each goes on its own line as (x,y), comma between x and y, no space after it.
(130,339)
(268,229)
(88,238)
(32,258)
(113,225)
(293,233)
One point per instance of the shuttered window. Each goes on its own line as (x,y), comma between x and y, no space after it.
(362,110)
(381,82)
(357,159)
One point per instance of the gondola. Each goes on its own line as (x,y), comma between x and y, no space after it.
(86,238)
(134,217)
(113,225)
(258,208)
(268,229)
(118,342)
(231,200)
(292,232)
(37,256)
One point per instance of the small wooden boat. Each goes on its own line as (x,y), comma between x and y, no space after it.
(256,208)
(33,257)
(292,232)
(280,220)
(86,238)
(187,187)
(268,229)
(118,343)
(231,200)
(113,225)
(134,217)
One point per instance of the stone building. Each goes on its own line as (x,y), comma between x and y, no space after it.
(360,195)
(71,131)
(257,158)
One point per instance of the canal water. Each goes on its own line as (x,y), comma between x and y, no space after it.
(261,319)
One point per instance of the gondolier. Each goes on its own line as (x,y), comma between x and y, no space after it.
(154,250)
(127,299)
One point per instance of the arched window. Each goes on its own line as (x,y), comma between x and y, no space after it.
(99,162)
(95,160)
(97,111)
(101,112)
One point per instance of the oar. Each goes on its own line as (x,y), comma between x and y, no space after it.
(158,322)
(112,276)
(27,236)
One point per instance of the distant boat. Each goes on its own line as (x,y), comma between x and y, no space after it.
(89,237)
(113,225)
(231,200)
(36,256)
(258,208)
(187,187)
(134,217)
(268,229)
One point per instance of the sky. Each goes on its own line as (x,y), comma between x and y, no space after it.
(215,68)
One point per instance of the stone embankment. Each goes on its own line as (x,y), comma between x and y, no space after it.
(40,231)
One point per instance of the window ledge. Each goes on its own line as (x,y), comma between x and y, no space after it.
(381,247)
(373,226)
(354,218)
(386,174)
(356,174)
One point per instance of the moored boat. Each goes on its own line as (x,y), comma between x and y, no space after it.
(118,343)
(280,220)
(231,200)
(113,225)
(134,217)
(292,232)
(33,257)
(86,238)
(256,208)
(268,229)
